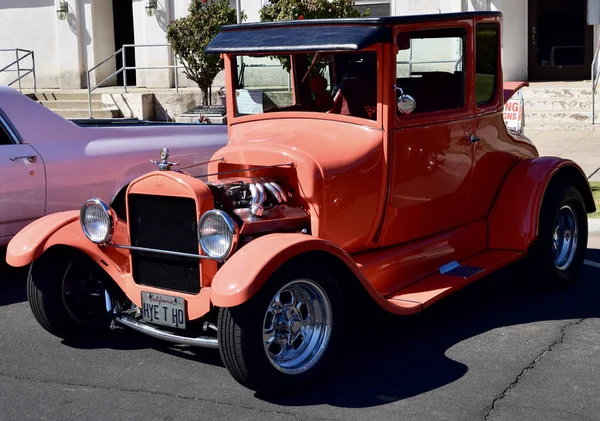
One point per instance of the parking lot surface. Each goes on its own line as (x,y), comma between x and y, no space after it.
(508,347)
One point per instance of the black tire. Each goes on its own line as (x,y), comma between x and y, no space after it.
(542,261)
(51,302)
(240,333)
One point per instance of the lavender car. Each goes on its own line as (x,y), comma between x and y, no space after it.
(49,164)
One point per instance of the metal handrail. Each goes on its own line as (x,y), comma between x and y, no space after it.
(595,77)
(124,67)
(260,65)
(19,69)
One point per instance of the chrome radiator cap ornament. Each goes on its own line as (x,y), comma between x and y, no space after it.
(164,165)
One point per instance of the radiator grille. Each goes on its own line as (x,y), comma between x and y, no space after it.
(165,223)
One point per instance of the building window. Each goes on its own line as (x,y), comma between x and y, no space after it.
(377,8)
(486,62)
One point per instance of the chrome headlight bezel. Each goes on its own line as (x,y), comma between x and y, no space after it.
(232,231)
(108,212)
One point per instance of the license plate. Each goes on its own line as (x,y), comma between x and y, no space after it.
(163,309)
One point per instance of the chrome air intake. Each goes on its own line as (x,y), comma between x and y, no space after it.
(254,195)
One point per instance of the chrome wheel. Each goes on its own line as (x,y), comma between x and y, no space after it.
(297,326)
(564,240)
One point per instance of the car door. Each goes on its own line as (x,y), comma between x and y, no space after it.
(23,182)
(430,150)
(494,151)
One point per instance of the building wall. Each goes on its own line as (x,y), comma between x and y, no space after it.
(514,37)
(64,50)
(32,27)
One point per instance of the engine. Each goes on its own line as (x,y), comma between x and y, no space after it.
(258,204)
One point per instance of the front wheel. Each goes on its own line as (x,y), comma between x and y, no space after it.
(284,336)
(66,294)
(559,251)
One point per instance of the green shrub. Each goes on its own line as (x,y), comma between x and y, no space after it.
(309,9)
(190,35)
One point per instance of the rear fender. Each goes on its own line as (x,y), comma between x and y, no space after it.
(510,88)
(513,220)
(247,270)
(63,228)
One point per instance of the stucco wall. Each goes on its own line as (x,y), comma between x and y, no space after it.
(32,27)
(152,30)
(64,50)
(103,40)
(514,38)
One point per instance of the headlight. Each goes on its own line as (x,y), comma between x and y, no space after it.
(97,221)
(217,234)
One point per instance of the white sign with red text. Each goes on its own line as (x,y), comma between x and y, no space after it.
(513,114)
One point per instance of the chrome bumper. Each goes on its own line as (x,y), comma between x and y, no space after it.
(201,341)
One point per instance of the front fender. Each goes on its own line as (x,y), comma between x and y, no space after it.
(514,218)
(63,228)
(30,242)
(248,269)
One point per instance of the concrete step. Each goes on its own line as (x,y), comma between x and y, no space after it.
(67,96)
(556,116)
(71,104)
(564,93)
(545,125)
(558,104)
(77,113)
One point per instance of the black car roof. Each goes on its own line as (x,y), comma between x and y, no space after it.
(324,34)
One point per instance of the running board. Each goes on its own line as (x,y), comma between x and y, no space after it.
(451,277)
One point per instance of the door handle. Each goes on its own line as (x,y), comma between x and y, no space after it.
(30,158)
(474,139)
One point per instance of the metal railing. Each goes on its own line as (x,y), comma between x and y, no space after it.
(19,69)
(595,77)
(124,68)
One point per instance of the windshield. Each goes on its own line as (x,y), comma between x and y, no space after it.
(339,83)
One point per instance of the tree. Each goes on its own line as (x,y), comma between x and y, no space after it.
(190,35)
(309,9)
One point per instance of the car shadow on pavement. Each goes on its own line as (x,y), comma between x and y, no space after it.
(12,282)
(390,358)
(125,339)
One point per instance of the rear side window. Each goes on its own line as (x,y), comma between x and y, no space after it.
(486,62)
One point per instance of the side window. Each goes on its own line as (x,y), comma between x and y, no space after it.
(430,68)
(5,138)
(486,62)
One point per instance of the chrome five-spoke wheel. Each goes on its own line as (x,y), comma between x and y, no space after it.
(286,335)
(558,253)
(564,240)
(297,326)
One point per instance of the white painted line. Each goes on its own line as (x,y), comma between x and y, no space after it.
(592,263)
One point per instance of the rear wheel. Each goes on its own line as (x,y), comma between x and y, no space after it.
(66,294)
(559,251)
(284,336)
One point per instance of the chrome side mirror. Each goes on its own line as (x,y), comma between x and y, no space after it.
(406,103)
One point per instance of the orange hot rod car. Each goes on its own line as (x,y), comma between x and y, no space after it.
(366,158)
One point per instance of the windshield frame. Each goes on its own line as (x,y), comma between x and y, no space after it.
(230,72)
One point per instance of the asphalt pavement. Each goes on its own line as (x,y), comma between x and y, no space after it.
(504,348)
